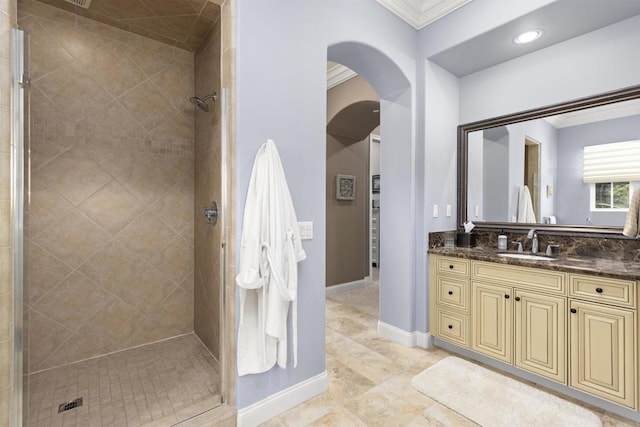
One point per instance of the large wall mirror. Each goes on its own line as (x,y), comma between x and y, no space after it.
(528,169)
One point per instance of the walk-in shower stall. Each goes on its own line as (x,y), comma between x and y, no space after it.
(121,296)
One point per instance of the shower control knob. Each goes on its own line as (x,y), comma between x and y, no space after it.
(211,213)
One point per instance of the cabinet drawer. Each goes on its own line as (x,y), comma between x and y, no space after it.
(452,292)
(603,289)
(452,327)
(536,279)
(457,266)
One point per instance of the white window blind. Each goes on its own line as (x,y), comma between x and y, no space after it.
(615,162)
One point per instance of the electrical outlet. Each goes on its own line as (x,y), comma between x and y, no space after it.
(448,211)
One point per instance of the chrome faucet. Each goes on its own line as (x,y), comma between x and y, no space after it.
(551,247)
(534,244)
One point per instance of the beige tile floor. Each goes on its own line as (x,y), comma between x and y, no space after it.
(161,383)
(370,377)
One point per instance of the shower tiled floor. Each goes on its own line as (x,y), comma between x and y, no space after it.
(161,383)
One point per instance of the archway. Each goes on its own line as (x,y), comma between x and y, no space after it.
(397,201)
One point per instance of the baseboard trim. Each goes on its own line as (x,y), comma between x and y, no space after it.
(282,401)
(344,287)
(410,339)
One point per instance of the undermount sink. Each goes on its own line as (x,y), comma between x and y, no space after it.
(530,257)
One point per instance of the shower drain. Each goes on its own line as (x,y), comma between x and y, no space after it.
(67,406)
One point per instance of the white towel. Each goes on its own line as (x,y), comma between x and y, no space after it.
(631,226)
(525,207)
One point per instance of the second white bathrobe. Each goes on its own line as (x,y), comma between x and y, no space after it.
(268,276)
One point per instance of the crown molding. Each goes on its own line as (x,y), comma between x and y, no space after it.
(339,74)
(420,13)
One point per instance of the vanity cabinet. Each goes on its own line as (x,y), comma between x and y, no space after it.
(522,327)
(603,341)
(451,299)
(576,329)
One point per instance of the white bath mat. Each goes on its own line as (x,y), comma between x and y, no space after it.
(494,400)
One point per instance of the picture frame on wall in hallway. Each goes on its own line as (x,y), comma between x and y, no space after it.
(345,187)
(375,184)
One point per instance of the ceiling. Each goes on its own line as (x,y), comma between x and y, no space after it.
(560,20)
(181,23)
(420,13)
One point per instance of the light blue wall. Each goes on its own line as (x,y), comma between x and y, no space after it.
(496,179)
(571,192)
(281,94)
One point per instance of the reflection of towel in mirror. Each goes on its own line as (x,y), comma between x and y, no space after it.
(631,226)
(525,207)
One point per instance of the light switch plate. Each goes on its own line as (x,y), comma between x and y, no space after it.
(435,211)
(306,230)
(448,211)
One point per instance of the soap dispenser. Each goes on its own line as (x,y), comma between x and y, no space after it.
(502,241)
(534,243)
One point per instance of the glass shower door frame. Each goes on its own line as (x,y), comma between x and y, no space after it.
(19,136)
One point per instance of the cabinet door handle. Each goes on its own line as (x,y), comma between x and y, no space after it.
(517,298)
(450,326)
(573,310)
(506,296)
(450,292)
(599,290)
(451,266)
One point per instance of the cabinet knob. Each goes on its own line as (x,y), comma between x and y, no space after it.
(573,310)
(450,292)
(517,298)
(506,296)
(450,326)
(599,290)
(451,266)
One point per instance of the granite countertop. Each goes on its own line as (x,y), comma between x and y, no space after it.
(620,269)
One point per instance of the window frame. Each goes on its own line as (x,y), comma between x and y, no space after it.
(592,196)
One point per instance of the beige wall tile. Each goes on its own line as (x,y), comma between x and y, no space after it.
(5,316)
(5,270)
(44,274)
(49,335)
(73,301)
(101,174)
(5,214)
(5,176)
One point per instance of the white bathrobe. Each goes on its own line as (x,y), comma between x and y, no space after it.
(525,206)
(268,277)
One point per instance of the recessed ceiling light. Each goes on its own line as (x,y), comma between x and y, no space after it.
(528,36)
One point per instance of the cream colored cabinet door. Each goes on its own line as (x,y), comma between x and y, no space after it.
(492,316)
(540,334)
(602,348)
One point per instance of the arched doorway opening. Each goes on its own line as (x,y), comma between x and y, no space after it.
(397,222)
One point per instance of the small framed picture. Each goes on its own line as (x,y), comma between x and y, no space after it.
(345,187)
(375,184)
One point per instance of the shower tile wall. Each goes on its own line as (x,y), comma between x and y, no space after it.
(7,18)
(207,313)
(110,230)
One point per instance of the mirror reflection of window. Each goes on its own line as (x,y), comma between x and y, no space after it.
(611,195)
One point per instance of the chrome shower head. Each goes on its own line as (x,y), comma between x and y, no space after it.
(201,103)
